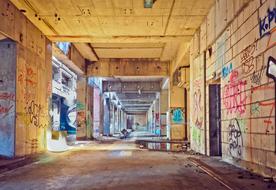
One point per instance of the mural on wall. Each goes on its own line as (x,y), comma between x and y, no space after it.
(68,117)
(235,139)
(177,115)
(7,98)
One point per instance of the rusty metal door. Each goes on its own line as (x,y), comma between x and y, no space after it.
(215,120)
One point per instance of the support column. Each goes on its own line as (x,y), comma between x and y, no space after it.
(164,108)
(177,120)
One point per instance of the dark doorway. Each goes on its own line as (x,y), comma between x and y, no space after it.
(214,120)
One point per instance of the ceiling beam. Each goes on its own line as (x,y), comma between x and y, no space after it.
(124,87)
(137,97)
(119,39)
(128,67)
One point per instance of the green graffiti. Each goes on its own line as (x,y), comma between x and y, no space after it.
(255,109)
(242,124)
(196,135)
(80,106)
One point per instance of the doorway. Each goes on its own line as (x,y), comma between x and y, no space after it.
(215,120)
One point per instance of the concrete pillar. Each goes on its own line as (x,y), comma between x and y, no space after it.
(157,115)
(176,106)
(164,108)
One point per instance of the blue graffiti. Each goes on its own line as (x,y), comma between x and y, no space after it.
(266,23)
(226,70)
(177,116)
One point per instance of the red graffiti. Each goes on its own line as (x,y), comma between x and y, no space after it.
(270,104)
(247,59)
(234,95)
(29,78)
(5,110)
(7,96)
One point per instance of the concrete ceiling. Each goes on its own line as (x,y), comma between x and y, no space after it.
(118,28)
(133,103)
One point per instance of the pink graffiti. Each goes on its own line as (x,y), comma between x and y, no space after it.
(234,95)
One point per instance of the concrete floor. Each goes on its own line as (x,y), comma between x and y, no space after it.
(115,165)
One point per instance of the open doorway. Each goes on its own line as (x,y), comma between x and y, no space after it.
(215,120)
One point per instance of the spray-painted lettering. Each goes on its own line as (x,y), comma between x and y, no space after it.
(235,138)
(234,95)
(7,96)
(266,23)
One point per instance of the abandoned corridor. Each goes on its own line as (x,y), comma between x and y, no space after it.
(195,77)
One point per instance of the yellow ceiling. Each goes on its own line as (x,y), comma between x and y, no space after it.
(118,28)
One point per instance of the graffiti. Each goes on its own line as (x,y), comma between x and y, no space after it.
(235,138)
(5,110)
(34,111)
(197,105)
(247,59)
(177,116)
(7,96)
(80,106)
(271,68)
(234,97)
(255,109)
(266,23)
(27,76)
(268,121)
(226,70)
(257,76)
(196,135)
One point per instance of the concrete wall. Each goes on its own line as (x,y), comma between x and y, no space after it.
(239,40)
(33,79)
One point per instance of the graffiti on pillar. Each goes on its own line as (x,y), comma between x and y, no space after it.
(177,115)
(235,138)
(81,114)
(68,116)
(198,107)
(34,113)
(6,103)
(247,59)
(234,96)
(266,23)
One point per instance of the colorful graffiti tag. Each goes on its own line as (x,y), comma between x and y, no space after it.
(177,116)
(266,23)
(234,96)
